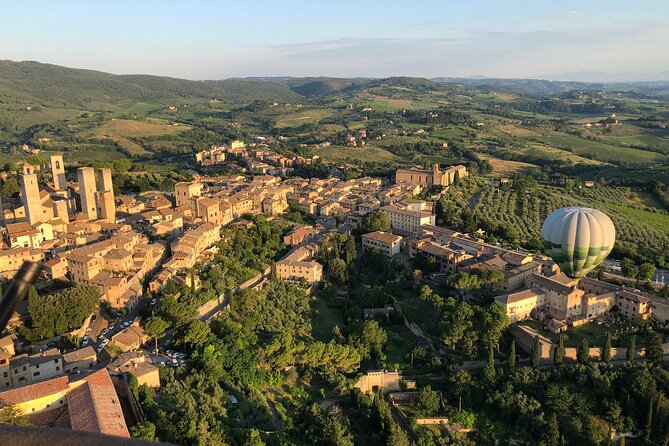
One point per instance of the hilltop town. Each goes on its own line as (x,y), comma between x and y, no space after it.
(137,277)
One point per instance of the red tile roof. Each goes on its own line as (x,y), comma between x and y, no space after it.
(34,391)
(95,407)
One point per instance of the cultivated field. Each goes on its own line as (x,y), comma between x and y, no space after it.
(303,117)
(123,131)
(362,154)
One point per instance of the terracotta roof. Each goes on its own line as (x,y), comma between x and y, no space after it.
(94,406)
(78,355)
(634,297)
(550,283)
(383,237)
(34,391)
(519,296)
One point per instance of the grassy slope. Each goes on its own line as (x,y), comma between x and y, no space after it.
(122,131)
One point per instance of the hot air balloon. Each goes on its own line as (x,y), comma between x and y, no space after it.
(578,239)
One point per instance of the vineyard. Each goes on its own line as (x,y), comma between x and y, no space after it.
(639,231)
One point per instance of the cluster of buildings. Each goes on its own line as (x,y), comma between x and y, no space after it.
(429,178)
(70,390)
(257,159)
(532,285)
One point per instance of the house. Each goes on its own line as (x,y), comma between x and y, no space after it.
(94,406)
(26,369)
(408,219)
(385,242)
(38,397)
(79,360)
(298,235)
(138,365)
(130,338)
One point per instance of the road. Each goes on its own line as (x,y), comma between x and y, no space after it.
(660,277)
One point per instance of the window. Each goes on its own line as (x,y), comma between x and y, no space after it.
(36,374)
(22,378)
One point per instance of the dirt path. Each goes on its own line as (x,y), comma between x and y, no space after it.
(276,417)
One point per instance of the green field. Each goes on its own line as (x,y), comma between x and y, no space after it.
(367,153)
(93,152)
(601,151)
(652,141)
(122,131)
(324,320)
(652,219)
(303,117)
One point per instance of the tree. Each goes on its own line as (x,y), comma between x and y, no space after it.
(628,267)
(196,332)
(558,353)
(488,373)
(133,383)
(428,401)
(338,271)
(654,350)
(492,321)
(253,438)
(10,188)
(376,221)
(512,354)
(12,415)
(374,337)
(583,352)
(535,352)
(645,273)
(144,430)
(552,437)
(606,350)
(155,327)
(76,302)
(631,348)
(334,432)
(649,419)
(397,437)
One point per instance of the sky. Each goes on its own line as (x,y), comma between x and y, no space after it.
(591,40)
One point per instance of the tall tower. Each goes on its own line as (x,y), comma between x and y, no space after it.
(86,178)
(105,196)
(58,172)
(30,194)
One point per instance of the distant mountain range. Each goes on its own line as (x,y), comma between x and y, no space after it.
(32,82)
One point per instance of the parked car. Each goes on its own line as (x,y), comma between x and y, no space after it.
(112,326)
(84,341)
(175,362)
(127,324)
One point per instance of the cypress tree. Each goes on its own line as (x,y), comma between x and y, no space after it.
(489,370)
(631,348)
(649,420)
(558,354)
(553,434)
(535,353)
(512,354)
(583,351)
(606,350)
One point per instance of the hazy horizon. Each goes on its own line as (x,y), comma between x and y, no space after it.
(594,42)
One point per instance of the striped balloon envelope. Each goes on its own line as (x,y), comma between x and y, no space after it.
(578,239)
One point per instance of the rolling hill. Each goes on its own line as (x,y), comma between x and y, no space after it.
(48,84)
